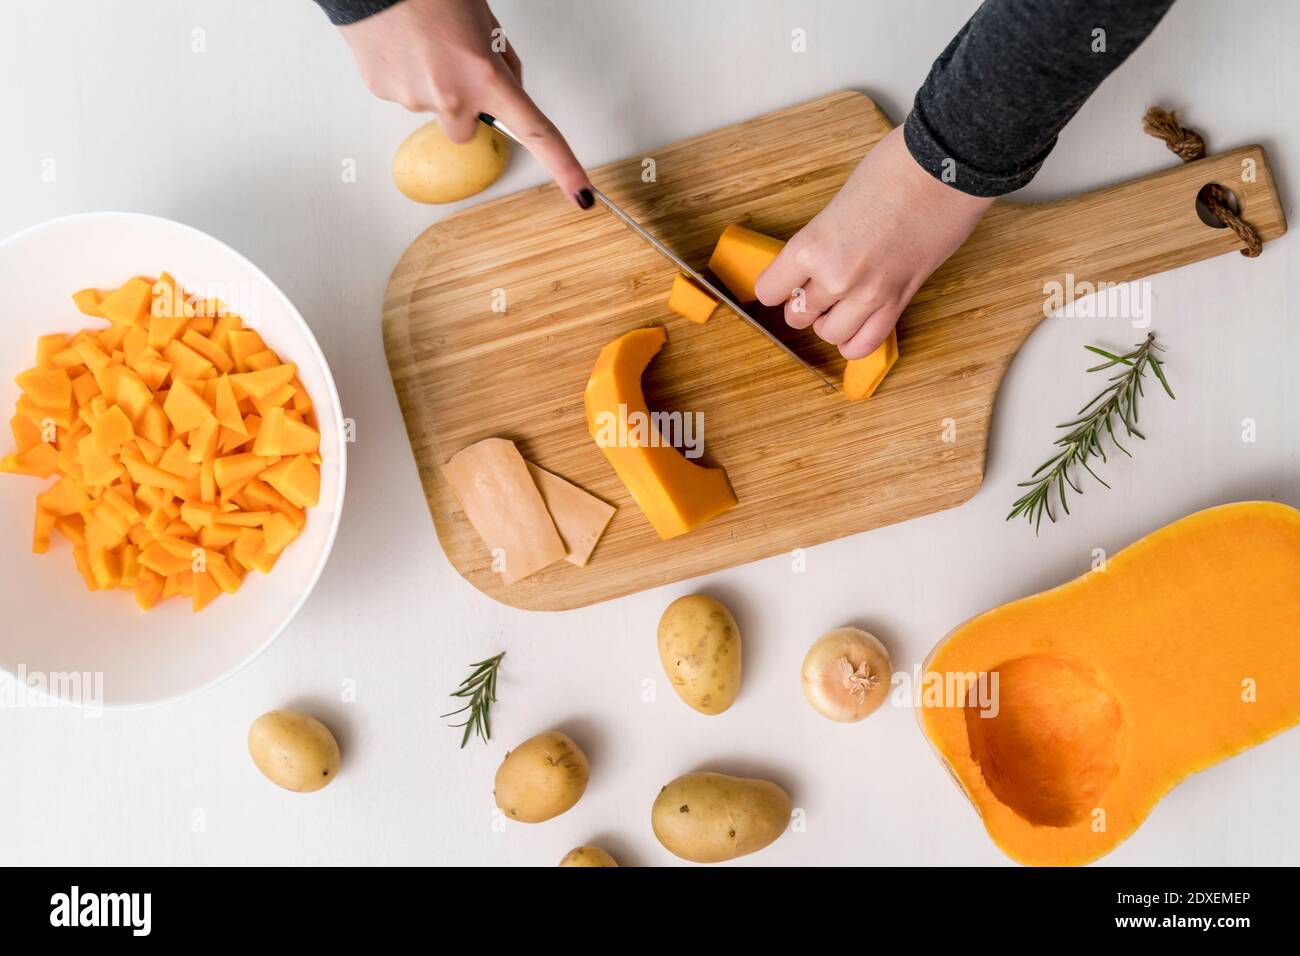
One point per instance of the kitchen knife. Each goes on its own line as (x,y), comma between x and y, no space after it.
(676,260)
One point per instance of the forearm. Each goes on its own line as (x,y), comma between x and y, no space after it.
(990,110)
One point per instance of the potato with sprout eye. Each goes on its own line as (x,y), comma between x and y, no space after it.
(541,778)
(699,647)
(712,817)
(846,674)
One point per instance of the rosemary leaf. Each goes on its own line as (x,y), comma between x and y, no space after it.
(481,689)
(1082,441)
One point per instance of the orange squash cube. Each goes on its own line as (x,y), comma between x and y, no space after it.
(112,430)
(232,471)
(690,301)
(39,461)
(128,304)
(48,346)
(209,350)
(51,388)
(279,531)
(87,301)
(185,407)
(262,382)
(297,479)
(298,439)
(740,257)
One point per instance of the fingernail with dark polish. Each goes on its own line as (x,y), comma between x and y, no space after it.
(585,199)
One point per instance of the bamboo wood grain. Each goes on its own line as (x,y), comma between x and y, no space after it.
(807,466)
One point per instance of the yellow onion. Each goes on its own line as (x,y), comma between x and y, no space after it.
(846,674)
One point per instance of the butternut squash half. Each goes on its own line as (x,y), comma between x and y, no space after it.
(1111,689)
(675,494)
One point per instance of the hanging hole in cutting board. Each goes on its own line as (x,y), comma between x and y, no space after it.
(1209,218)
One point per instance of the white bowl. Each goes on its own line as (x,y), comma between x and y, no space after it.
(51,627)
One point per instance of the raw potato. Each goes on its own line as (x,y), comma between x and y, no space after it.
(699,645)
(846,674)
(541,778)
(294,750)
(431,168)
(588,856)
(711,817)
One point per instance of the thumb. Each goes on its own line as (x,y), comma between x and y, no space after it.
(778,281)
(459,127)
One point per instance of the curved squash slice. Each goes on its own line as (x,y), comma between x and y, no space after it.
(1111,689)
(675,494)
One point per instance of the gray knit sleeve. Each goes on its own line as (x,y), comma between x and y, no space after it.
(991,108)
(343,12)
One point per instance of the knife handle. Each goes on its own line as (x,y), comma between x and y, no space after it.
(496,124)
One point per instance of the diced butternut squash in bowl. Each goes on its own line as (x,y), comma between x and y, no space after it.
(184,449)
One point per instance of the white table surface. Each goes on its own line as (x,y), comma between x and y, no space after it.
(247,141)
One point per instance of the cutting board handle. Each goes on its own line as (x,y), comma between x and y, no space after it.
(1147,225)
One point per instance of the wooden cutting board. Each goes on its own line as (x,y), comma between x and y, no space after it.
(808,466)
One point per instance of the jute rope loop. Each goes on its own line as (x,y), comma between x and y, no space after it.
(1187,143)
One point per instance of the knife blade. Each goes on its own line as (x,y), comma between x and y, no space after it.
(680,264)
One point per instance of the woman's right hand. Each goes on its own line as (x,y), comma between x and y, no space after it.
(441,56)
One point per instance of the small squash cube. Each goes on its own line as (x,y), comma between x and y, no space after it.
(271,433)
(740,257)
(297,479)
(87,302)
(186,363)
(133,393)
(39,461)
(209,350)
(128,304)
(690,301)
(112,430)
(204,591)
(48,346)
(262,382)
(279,531)
(298,439)
(26,434)
(233,471)
(148,588)
(185,407)
(50,388)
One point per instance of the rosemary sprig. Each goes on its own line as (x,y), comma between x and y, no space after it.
(481,689)
(1083,441)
